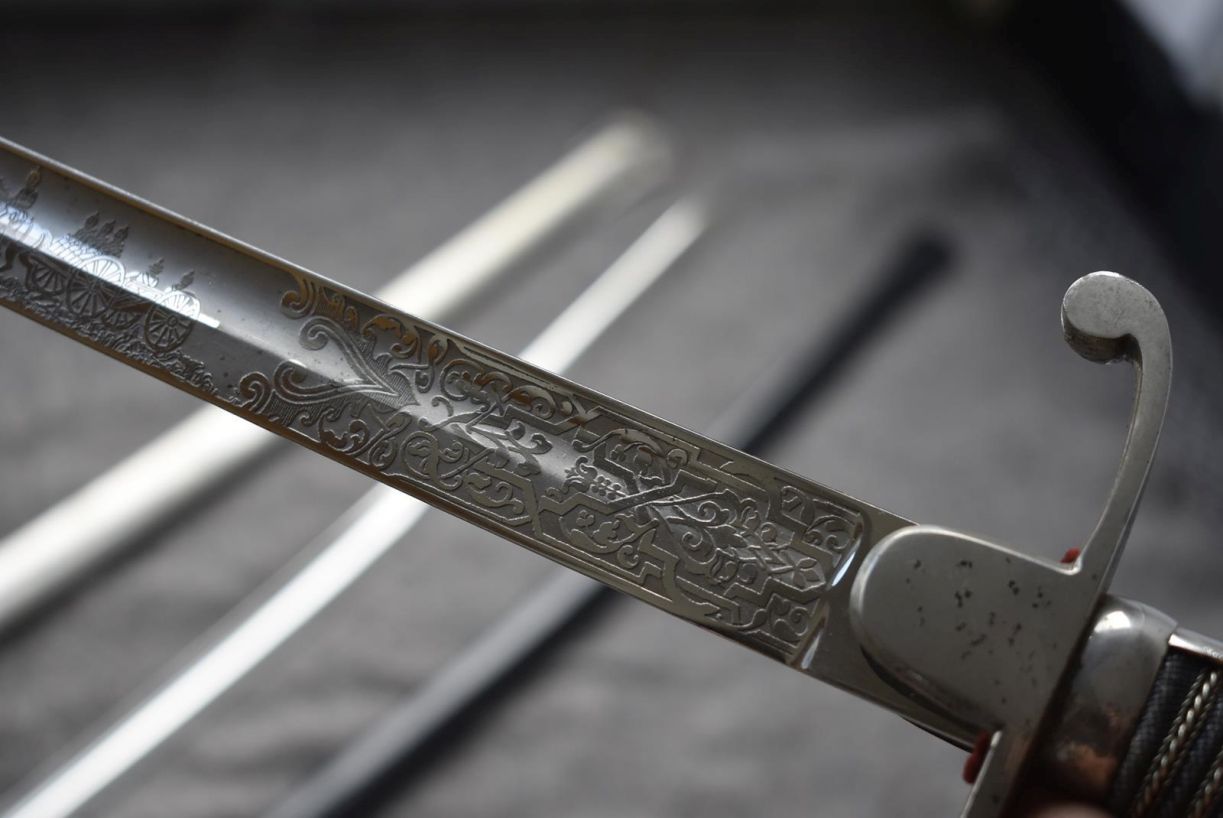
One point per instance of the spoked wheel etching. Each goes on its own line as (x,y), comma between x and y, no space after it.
(169,323)
(44,278)
(96,291)
(90,289)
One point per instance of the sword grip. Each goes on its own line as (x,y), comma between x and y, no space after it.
(1174,763)
(1138,725)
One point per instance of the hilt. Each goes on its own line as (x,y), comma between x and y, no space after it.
(1001,639)
(1138,725)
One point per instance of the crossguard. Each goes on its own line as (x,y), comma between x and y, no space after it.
(984,632)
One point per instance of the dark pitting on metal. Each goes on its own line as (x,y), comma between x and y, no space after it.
(989,631)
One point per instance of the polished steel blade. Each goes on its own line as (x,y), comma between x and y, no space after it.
(714,536)
(53,550)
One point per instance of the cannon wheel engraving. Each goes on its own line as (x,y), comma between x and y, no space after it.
(88,294)
(168,324)
(44,278)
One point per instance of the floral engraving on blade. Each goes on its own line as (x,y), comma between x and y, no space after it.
(78,281)
(697,529)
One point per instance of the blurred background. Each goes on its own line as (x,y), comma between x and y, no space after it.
(1032,141)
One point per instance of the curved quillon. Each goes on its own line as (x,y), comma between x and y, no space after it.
(984,632)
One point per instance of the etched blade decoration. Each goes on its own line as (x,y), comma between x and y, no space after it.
(695,528)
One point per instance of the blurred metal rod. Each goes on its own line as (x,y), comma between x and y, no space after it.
(379,519)
(150,486)
(765,411)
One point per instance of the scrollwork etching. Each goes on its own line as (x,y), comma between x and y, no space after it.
(692,526)
(689,525)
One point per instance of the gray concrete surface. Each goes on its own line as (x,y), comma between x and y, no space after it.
(354,147)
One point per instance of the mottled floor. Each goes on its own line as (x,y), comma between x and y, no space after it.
(353,148)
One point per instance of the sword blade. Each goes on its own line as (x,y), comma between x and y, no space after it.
(709,534)
(52,550)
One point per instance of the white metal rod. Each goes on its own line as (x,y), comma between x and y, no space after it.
(379,519)
(148,487)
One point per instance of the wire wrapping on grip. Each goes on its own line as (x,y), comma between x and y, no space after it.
(1174,766)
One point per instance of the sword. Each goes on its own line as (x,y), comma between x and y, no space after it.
(961,636)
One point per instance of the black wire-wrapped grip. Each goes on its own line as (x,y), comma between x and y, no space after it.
(1174,765)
